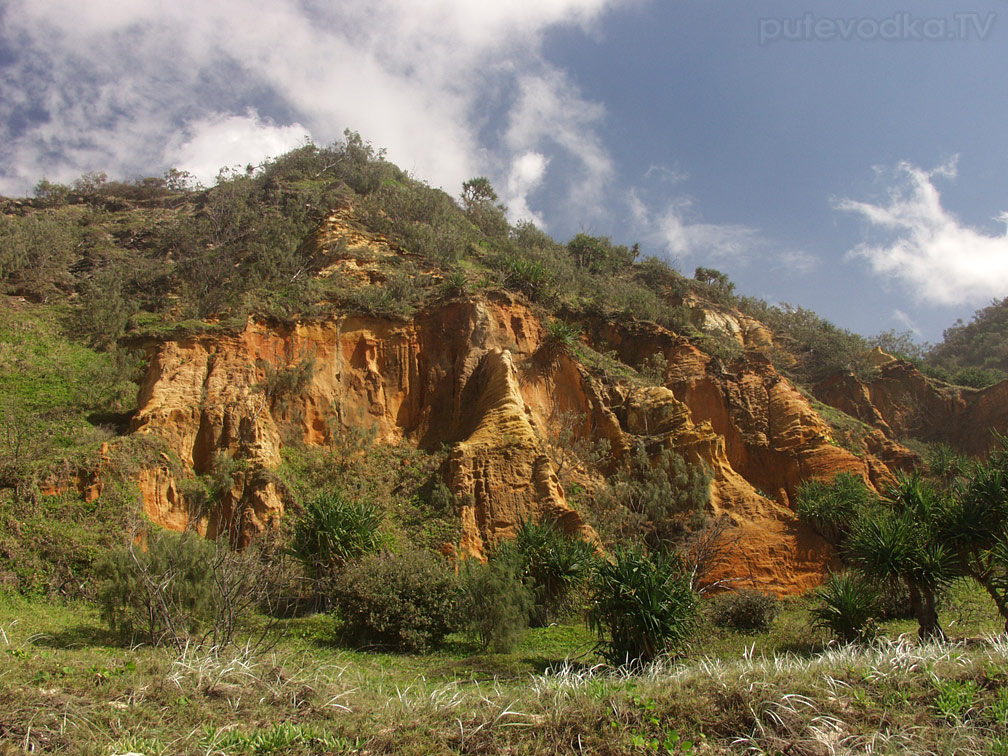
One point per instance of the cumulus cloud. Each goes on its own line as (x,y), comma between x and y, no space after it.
(927,247)
(112,85)
(526,175)
(225,140)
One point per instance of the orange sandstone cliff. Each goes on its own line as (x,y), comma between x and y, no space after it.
(480,376)
(471,374)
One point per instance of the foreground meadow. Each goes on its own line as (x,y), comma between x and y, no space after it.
(66,686)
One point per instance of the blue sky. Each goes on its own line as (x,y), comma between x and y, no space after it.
(847,157)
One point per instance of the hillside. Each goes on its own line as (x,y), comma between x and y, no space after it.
(210,357)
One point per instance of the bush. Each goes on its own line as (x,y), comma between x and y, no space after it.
(181,589)
(641,606)
(333,531)
(747,611)
(495,601)
(556,565)
(659,500)
(832,508)
(400,602)
(846,605)
(162,593)
(529,276)
(560,338)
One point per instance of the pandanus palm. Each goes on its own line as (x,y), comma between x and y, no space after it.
(976,527)
(901,542)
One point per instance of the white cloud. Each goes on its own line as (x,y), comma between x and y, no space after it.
(549,112)
(676,230)
(223,140)
(907,322)
(927,247)
(526,175)
(114,85)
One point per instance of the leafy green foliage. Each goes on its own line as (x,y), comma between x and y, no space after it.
(35,253)
(495,600)
(813,348)
(846,605)
(974,353)
(556,565)
(903,542)
(975,526)
(641,606)
(334,530)
(561,338)
(181,590)
(599,255)
(163,593)
(746,610)
(399,601)
(832,508)
(531,277)
(660,499)
(714,279)
(902,345)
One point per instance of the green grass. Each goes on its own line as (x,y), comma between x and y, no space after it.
(66,688)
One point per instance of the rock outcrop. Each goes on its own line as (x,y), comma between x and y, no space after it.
(476,375)
(439,378)
(901,401)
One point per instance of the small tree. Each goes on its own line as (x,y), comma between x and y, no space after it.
(477,191)
(641,606)
(976,527)
(715,279)
(495,600)
(334,530)
(902,542)
(599,255)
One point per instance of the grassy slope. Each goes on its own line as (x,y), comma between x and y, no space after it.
(66,688)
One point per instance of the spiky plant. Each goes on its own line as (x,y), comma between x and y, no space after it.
(556,564)
(903,542)
(333,530)
(846,604)
(641,605)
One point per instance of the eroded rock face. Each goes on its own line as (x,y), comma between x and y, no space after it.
(902,401)
(416,381)
(475,375)
(770,548)
(501,470)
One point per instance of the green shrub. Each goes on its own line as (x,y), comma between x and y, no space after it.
(846,605)
(35,254)
(831,508)
(747,611)
(162,594)
(495,602)
(529,276)
(641,606)
(557,566)
(659,499)
(455,284)
(560,338)
(400,602)
(599,255)
(334,530)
